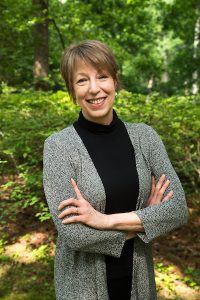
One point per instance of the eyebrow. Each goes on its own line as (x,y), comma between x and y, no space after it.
(82,74)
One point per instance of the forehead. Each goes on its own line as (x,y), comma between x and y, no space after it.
(83,67)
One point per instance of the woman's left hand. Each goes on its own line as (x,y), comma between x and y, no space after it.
(82,211)
(157,191)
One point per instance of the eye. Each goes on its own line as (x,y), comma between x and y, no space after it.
(81,81)
(103,76)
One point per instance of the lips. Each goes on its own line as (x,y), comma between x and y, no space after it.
(96,101)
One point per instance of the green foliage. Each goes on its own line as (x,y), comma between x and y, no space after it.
(3,243)
(16,42)
(153,40)
(28,118)
(177,120)
(41,253)
(164,271)
(20,281)
(192,278)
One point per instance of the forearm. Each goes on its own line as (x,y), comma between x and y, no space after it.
(126,222)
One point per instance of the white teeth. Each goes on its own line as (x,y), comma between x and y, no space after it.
(97,101)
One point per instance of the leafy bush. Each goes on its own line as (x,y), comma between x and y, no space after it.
(177,120)
(27,118)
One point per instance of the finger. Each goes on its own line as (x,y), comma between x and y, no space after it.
(160,182)
(165,186)
(73,219)
(159,185)
(168,196)
(153,186)
(162,190)
(68,211)
(160,193)
(76,189)
(70,201)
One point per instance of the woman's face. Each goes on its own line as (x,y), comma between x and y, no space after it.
(94,92)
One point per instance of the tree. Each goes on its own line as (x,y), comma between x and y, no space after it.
(181,18)
(153,40)
(16,42)
(195,75)
(41,50)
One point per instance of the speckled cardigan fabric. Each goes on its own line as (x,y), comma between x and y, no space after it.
(80,271)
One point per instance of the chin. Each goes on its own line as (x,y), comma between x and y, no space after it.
(102,116)
(101,113)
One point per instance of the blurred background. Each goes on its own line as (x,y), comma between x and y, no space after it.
(157,46)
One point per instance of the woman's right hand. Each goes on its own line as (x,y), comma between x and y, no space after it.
(158,190)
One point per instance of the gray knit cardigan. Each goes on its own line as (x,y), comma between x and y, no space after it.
(80,271)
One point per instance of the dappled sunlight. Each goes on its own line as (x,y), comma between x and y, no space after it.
(171,285)
(4,268)
(30,247)
(34,249)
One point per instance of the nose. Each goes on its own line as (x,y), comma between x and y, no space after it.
(94,87)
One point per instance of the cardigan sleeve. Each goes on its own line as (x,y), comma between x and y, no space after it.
(161,218)
(57,171)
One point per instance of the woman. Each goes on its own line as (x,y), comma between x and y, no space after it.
(100,187)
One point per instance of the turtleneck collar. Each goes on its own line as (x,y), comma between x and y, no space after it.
(99,128)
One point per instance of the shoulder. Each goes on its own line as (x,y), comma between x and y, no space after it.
(64,137)
(141,129)
(143,134)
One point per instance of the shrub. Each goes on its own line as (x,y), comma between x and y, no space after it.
(177,121)
(27,118)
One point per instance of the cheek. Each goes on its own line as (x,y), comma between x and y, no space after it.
(110,90)
(80,92)
(111,87)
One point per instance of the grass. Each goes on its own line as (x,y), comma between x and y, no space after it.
(26,281)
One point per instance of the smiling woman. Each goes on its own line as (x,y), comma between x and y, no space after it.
(94,91)
(110,187)
(92,79)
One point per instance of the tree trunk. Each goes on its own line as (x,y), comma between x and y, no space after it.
(41,51)
(195,74)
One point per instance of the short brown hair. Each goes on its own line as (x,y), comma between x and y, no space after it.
(91,52)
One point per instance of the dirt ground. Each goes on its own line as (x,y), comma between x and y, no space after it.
(176,256)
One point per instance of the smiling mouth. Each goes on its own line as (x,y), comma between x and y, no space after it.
(96,101)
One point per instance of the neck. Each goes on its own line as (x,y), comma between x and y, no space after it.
(105,120)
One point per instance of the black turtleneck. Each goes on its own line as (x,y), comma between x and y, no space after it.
(112,153)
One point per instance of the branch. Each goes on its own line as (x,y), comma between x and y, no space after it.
(58,31)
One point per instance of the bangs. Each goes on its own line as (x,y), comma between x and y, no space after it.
(90,57)
(90,52)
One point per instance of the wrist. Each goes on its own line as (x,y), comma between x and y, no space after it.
(110,221)
(117,221)
(125,221)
